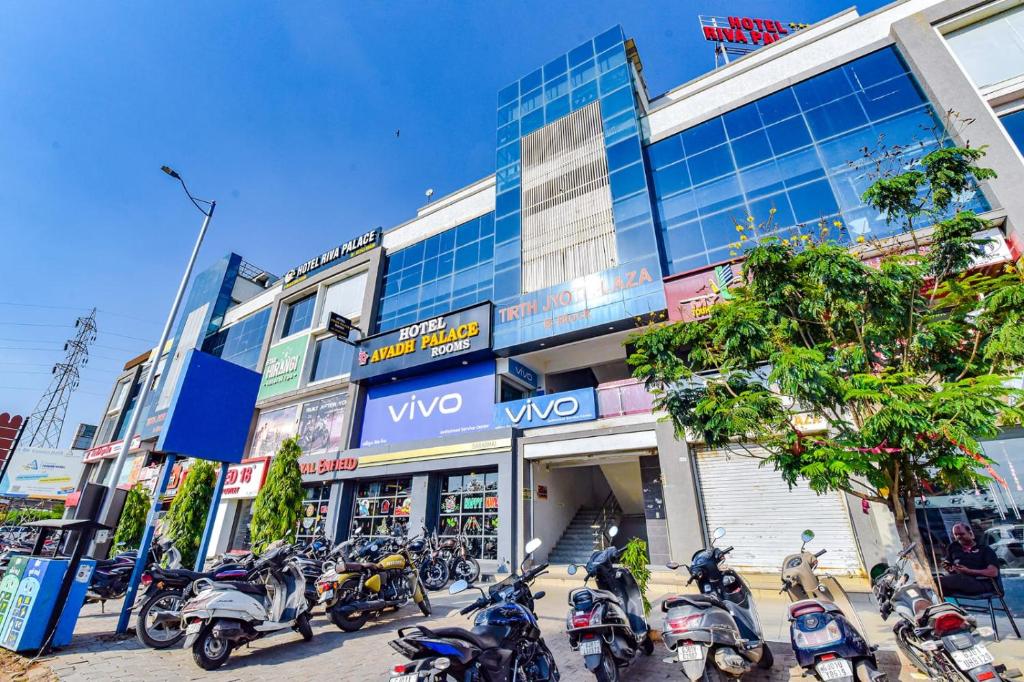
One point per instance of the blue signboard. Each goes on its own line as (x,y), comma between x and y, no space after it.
(621,293)
(547,410)
(451,402)
(524,374)
(29,592)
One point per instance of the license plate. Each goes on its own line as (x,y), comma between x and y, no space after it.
(834,670)
(972,658)
(193,628)
(689,652)
(590,647)
(327,595)
(404,678)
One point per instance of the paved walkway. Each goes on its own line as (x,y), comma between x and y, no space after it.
(365,655)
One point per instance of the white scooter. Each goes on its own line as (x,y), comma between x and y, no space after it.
(224,615)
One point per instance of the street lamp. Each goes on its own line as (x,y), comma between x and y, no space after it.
(140,403)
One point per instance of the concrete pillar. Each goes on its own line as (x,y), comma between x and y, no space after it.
(682,512)
(508,510)
(949,88)
(420,503)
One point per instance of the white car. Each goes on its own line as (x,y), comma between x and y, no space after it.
(1008,544)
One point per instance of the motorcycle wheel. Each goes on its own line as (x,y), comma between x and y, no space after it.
(424,605)
(347,621)
(467,569)
(210,652)
(767,659)
(434,575)
(162,636)
(648,645)
(713,674)
(607,671)
(303,627)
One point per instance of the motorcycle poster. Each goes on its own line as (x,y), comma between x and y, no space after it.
(321,424)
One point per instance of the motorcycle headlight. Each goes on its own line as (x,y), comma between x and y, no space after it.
(813,639)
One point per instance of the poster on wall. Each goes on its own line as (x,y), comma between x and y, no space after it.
(321,425)
(272,429)
(283,368)
(42,472)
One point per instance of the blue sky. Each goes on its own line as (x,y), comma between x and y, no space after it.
(285,113)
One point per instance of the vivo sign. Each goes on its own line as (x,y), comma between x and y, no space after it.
(452,402)
(547,410)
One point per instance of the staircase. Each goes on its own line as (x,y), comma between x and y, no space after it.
(581,537)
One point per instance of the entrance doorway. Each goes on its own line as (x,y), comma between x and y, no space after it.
(576,499)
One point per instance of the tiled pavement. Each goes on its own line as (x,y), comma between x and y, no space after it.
(365,655)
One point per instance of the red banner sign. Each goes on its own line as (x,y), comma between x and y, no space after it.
(745,30)
(108,450)
(328,465)
(244,480)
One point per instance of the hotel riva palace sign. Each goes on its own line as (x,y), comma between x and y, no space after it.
(458,334)
(350,249)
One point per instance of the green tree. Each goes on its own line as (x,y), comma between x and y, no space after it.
(186,518)
(133,518)
(275,513)
(634,557)
(910,361)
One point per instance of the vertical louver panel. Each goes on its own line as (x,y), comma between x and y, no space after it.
(567,224)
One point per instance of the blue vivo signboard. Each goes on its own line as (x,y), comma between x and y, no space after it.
(452,402)
(547,410)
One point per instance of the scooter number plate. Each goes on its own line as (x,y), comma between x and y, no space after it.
(590,647)
(193,628)
(327,595)
(972,658)
(404,678)
(835,670)
(689,652)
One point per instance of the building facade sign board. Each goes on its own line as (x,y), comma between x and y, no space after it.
(547,410)
(350,249)
(283,368)
(48,473)
(245,479)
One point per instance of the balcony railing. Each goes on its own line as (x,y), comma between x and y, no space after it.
(618,398)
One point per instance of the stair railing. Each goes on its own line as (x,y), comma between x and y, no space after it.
(607,517)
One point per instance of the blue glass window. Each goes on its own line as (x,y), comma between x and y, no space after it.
(620,100)
(627,181)
(581,54)
(555,67)
(530,81)
(557,109)
(241,342)
(506,202)
(584,95)
(508,154)
(614,79)
(583,73)
(609,38)
(532,121)
(299,315)
(1014,124)
(556,88)
(798,151)
(332,357)
(508,94)
(506,228)
(623,153)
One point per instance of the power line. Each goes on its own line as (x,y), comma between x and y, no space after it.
(36,389)
(68,307)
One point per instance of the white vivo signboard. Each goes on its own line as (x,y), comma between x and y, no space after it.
(42,472)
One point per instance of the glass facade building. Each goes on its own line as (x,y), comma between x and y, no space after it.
(799,151)
(241,342)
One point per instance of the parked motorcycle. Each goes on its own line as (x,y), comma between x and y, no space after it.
(715,634)
(939,638)
(111,577)
(826,643)
(158,621)
(454,551)
(504,645)
(353,592)
(607,625)
(434,572)
(224,615)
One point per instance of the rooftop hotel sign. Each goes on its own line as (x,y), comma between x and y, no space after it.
(350,249)
(746,30)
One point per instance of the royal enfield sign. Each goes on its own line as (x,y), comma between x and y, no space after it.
(327,465)
(244,480)
(349,249)
(451,402)
(283,369)
(458,334)
(547,410)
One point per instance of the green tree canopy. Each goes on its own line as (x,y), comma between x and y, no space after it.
(186,518)
(275,513)
(133,518)
(911,361)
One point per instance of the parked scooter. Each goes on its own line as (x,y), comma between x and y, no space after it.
(826,643)
(607,625)
(715,634)
(353,592)
(939,638)
(505,644)
(224,615)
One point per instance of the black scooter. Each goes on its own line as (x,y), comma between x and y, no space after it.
(607,624)
(505,644)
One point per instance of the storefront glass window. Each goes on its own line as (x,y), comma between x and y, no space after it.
(314,512)
(974,47)
(382,506)
(300,316)
(994,511)
(469,507)
(333,357)
(241,536)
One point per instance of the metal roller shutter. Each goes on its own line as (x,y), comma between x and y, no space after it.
(764,518)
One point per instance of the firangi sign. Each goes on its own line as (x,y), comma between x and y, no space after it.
(350,249)
(456,334)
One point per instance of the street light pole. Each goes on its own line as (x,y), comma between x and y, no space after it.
(140,401)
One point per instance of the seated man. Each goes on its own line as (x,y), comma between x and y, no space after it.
(970,567)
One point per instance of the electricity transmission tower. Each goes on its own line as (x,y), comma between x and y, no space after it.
(47,420)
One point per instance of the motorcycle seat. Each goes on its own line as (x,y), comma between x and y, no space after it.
(244,587)
(357,566)
(604,595)
(698,601)
(805,606)
(483,638)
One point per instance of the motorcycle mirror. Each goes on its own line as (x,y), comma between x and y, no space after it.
(526,565)
(807,536)
(533,545)
(458,586)
(672,565)
(718,534)
(613,531)
(572,569)
(540,595)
